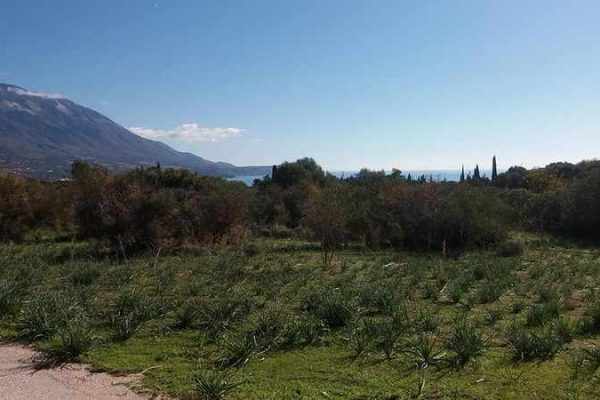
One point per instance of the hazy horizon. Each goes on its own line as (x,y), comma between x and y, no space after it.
(438,175)
(407,85)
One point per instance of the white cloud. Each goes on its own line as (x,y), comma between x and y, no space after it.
(24,92)
(191,132)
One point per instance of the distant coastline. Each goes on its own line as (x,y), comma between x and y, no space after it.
(438,175)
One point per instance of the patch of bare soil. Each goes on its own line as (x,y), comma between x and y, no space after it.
(20,380)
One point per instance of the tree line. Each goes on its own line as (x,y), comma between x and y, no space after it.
(152,208)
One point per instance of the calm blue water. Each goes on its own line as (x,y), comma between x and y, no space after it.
(438,175)
(247,179)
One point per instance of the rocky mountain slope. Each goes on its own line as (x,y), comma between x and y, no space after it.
(42,134)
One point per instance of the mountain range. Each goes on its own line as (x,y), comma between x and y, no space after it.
(42,134)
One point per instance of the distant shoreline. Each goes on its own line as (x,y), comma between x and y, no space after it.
(438,175)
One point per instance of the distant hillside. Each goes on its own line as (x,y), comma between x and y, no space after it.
(42,134)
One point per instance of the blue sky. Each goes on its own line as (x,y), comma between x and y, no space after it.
(382,84)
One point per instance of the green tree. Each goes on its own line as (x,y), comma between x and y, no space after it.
(304,170)
(476,174)
(326,217)
(514,178)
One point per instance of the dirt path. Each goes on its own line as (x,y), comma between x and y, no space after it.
(19,381)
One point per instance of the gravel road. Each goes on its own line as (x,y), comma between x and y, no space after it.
(19,380)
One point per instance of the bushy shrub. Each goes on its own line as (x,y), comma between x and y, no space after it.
(563,330)
(362,336)
(387,333)
(457,288)
(581,206)
(127,313)
(72,337)
(442,217)
(325,216)
(127,216)
(509,249)
(267,325)
(543,211)
(303,330)
(380,210)
(529,345)
(213,384)
(330,307)
(282,197)
(465,342)
(16,216)
(589,324)
(216,315)
(425,320)
(152,209)
(423,351)
(539,314)
(381,334)
(473,217)
(378,298)
(40,316)
(237,346)
(569,205)
(490,291)
(186,314)
(8,294)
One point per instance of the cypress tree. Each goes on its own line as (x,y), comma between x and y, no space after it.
(494,170)
(462,174)
(476,175)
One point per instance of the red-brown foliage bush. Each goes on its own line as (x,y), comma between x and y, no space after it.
(133,213)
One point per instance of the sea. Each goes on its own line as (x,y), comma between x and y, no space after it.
(438,175)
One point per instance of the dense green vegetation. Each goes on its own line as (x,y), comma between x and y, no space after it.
(152,208)
(271,318)
(307,286)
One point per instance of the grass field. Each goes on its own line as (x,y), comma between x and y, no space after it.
(272,320)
